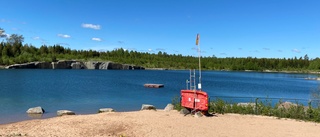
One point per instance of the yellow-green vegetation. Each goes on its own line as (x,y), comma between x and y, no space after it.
(293,111)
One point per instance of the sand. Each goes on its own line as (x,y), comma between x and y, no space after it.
(150,123)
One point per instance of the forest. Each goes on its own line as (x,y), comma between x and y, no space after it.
(13,51)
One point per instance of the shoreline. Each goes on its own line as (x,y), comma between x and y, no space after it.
(160,123)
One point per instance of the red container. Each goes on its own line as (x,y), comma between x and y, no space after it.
(194,99)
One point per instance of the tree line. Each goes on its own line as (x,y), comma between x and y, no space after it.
(13,51)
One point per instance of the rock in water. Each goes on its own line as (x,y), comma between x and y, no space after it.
(35,110)
(65,112)
(148,107)
(102,110)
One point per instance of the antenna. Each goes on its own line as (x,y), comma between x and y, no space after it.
(199,54)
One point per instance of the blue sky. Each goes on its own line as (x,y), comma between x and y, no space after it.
(227,28)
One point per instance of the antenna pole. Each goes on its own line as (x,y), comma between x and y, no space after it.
(199,54)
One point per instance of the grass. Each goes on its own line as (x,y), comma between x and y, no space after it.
(295,110)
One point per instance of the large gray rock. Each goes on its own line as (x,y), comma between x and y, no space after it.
(35,110)
(148,107)
(65,112)
(185,111)
(287,105)
(103,110)
(198,114)
(169,107)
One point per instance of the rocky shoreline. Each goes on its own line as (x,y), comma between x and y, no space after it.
(73,64)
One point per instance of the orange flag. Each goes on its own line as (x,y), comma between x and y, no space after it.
(198,38)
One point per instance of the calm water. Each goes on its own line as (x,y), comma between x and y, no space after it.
(85,91)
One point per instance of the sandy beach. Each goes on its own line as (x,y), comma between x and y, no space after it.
(160,124)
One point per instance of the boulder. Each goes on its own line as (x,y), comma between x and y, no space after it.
(103,110)
(65,112)
(286,105)
(35,110)
(35,116)
(185,111)
(198,114)
(169,107)
(148,107)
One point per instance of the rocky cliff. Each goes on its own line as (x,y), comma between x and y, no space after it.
(73,64)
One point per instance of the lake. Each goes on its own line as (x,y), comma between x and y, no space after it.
(85,91)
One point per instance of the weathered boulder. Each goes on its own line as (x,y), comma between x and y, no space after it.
(35,110)
(198,114)
(148,107)
(286,105)
(103,110)
(169,107)
(65,112)
(185,111)
(35,116)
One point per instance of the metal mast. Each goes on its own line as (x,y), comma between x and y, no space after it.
(199,54)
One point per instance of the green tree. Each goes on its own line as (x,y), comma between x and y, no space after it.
(14,39)
(2,33)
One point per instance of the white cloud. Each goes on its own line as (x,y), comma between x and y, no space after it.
(96,39)
(91,26)
(64,36)
(296,50)
(36,38)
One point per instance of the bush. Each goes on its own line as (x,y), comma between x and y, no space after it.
(297,111)
(176,102)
